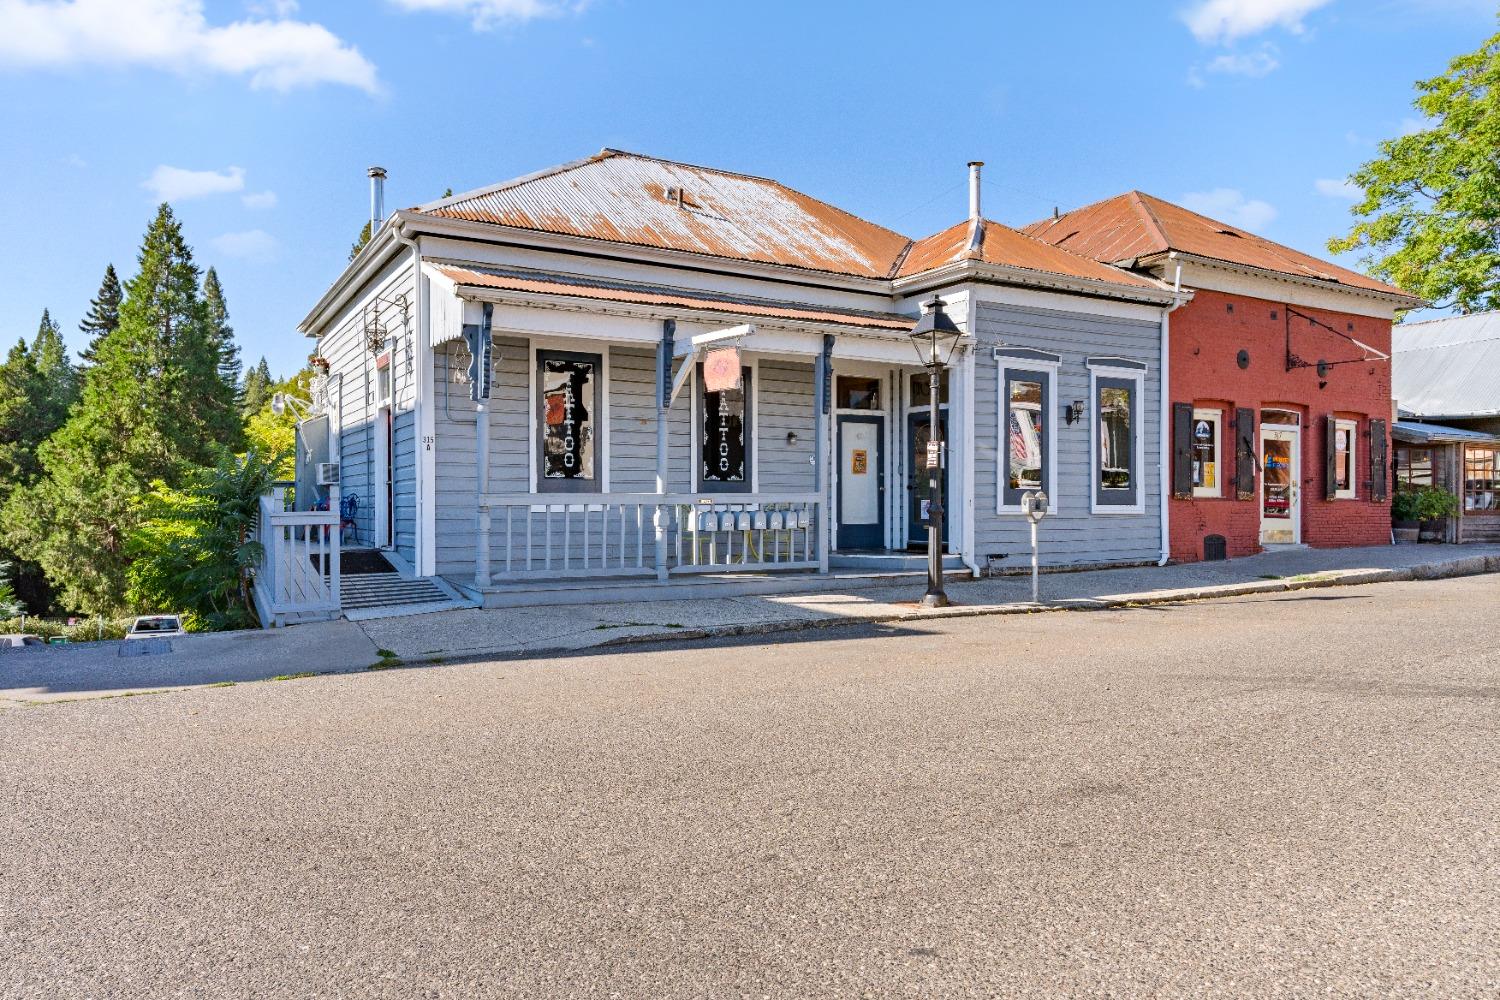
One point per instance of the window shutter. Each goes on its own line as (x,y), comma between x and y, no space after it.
(1244,453)
(1330,458)
(1380,480)
(1182,451)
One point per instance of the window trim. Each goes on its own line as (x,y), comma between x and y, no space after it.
(600,483)
(1216,414)
(1113,369)
(1352,426)
(1029,362)
(751,483)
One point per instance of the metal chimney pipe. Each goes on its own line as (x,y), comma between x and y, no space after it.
(974,166)
(377,197)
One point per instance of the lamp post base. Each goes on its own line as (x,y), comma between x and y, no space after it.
(935,600)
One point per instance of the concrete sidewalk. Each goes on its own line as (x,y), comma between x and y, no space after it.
(97,669)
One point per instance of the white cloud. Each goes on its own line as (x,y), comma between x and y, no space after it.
(259,199)
(1331,188)
(177,184)
(1224,21)
(487,14)
(1252,64)
(174,35)
(255,245)
(1230,205)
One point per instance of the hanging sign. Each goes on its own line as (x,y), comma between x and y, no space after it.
(934,449)
(721,369)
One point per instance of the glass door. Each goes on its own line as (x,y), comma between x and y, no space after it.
(919,477)
(1280,495)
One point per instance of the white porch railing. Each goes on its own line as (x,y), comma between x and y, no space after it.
(298,576)
(538,536)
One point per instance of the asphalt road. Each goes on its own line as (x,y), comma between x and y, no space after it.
(1280,796)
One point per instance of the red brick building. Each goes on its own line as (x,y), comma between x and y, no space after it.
(1279,378)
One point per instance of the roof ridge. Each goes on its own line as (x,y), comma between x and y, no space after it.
(535,175)
(1139,197)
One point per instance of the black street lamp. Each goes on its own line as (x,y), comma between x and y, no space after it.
(935,336)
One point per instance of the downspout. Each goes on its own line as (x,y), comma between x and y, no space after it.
(1166,411)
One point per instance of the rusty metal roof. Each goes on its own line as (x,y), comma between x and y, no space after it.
(643,201)
(549,283)
(1002,245)
(1136,224)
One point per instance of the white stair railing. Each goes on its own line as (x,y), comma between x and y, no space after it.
(298,578)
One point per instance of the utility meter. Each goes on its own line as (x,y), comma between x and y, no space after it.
(1034,505)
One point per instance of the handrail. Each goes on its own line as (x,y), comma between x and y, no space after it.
(647,499)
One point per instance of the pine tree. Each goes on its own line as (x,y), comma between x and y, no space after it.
(257,389)
(153,407)
(103,315)
(222,333)
(59,376)
(359,244)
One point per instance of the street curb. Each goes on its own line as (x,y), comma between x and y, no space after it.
(1472,566)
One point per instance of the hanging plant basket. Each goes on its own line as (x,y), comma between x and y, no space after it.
(319,362)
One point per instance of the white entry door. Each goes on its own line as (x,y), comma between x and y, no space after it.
(1281,485)
(861,482)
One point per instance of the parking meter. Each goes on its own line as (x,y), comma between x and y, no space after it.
(1034,506)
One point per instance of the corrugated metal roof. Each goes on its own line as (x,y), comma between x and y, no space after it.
(548,283)
(1413,432)
(1002,245)
(639,200)
(1136,224)
(1448,367)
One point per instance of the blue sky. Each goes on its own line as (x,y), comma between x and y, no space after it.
(258,119)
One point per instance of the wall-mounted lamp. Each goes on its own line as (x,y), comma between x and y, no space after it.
(1073,412)
(791,438)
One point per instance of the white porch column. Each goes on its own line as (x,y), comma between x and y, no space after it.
(664,350)
(823,400)
(479,390)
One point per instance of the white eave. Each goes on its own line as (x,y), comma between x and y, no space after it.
(972,270)
(1400,300)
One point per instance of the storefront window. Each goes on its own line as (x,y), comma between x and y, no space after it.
(1413,466)
(569,388)
(1116,437)
(921,389)
(724,438)
(857,393)
(1026,441)
(1481,485)
(1345,433)
(1207,441)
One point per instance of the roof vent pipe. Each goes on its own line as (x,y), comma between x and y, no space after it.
(377,197)
(974,166)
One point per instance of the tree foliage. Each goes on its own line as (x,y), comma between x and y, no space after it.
(104,313)
(153,407)
(1431,208)
(255,395)
(360,241)
(216,314)
(194,549)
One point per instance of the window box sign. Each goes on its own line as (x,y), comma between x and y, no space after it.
(721,369)
(724,441)
(569,396)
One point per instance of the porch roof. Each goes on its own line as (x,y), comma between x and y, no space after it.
(1415,432)
(575,286)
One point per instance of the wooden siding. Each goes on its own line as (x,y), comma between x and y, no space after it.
(352,397)
(1071,535)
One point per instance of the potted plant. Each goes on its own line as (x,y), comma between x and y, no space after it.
(1420,513)
(318,362)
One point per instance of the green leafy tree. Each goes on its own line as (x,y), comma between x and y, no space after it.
(10,604)
(359,243)
(255,395)
(153,407)
(194,549)
(104,313)
(1431,208)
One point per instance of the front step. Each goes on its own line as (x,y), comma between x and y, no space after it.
(375,590)
(891,562)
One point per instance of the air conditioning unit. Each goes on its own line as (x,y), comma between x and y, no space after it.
(328,473)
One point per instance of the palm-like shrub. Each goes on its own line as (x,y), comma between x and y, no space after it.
(195,550)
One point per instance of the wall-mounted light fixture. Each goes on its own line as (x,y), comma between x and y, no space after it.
(1073,412)
(791,438)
